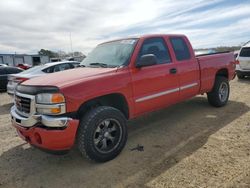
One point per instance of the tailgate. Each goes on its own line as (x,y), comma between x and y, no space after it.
(244,63)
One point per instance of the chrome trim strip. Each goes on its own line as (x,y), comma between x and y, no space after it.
(62,106)
(157,95)
(188,86)
(48,106)
(24,95)
(166,92)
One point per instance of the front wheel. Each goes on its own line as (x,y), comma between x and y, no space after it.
(102,134)
(218,97)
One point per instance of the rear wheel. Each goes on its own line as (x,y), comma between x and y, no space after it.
(219,95)
(102,134)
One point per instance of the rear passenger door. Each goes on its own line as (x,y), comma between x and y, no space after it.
(187,67)
(155,86)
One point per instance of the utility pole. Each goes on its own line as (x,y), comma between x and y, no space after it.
(71,44)
(14,59)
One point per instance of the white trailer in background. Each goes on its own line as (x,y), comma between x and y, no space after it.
(15,59)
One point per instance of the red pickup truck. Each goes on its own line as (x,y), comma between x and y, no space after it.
(119,80)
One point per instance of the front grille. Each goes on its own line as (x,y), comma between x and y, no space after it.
(22,104)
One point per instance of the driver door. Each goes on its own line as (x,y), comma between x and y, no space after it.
(155,86)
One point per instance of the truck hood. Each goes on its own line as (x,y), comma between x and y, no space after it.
(68,77)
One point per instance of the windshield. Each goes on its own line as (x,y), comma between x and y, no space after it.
(111,54)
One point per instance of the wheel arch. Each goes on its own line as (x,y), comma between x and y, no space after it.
(222,72)
(116,100)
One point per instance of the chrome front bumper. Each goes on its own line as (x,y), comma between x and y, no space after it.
(33,120)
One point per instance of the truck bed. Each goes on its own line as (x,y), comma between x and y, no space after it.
(210,64)
(212,53)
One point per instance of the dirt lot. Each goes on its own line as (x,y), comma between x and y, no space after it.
(188,145)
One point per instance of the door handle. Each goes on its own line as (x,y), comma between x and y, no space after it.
(173,71)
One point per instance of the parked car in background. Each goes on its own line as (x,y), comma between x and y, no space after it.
(38,71)
(121,80)
(243,61)
(24,66)
(56,59)
(4,72)
(3,65)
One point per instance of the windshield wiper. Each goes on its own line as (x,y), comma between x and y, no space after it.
(99,64)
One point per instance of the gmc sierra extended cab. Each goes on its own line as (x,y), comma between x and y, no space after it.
(119,80)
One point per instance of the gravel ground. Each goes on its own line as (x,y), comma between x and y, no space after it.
(190,144)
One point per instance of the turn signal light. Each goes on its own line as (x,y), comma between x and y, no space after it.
(57,98)
(55,110)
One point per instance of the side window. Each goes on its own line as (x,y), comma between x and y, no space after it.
(157,47)
(180,48)
(73,65)
(3,71)
(76,65)
(11,70)
(61,67)
(49,70)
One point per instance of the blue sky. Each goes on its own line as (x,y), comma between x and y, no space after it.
(27,25)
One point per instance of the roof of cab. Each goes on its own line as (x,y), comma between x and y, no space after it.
(146,36)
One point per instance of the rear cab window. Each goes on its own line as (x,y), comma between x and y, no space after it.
(245,52)
(157,47)
(180,48)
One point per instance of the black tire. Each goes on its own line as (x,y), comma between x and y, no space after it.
(240,75)
(215,97)
(97,120)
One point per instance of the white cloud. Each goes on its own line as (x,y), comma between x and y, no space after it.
(28,25)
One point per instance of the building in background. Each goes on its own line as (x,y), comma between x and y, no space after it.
(76,58)
(15,59)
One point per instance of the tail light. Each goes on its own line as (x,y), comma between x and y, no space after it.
(20,79)
(237,62)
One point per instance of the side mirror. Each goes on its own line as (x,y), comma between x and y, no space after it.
(146,60)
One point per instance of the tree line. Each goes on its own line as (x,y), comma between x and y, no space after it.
(59,54)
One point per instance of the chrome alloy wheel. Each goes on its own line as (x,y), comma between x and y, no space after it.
(107,135)
(223,92)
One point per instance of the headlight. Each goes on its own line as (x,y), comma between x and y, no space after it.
(50,98)
(50,103)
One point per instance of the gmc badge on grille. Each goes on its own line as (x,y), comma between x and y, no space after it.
(18,101)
